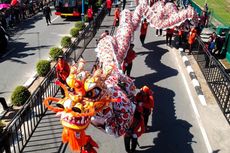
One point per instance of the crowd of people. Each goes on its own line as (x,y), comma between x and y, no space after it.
(11,16)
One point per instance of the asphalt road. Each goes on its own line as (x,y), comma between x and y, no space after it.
(29,43)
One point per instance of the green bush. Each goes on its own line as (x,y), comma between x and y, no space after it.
(80,25)
(98,4)
(74,31)
(66,41)
(43,67)
(20,95)
(55,52)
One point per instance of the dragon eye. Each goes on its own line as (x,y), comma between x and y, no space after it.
(77,110)
(94,93)
(60,105)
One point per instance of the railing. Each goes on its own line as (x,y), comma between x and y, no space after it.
(17,133)
(216,77)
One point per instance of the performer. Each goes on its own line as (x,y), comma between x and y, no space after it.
(128,61)
(136,129)
(62,70)
(145,96)
(116,15)
(144,27)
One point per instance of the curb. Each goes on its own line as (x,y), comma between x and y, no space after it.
(193,77)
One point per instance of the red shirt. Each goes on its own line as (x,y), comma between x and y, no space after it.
(146,98)
(90,13)
(131,55)
(109,4)
(144,27)
(62,70)
(117,14)
(137,126)
(191,37)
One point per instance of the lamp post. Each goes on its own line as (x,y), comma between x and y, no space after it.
(82,10)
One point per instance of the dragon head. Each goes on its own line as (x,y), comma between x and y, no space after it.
(86,96)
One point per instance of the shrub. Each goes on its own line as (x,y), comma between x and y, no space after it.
(66,41)
(20,95)
(98,4)
(43,67)
(55,52)
(74,32)
(80,25)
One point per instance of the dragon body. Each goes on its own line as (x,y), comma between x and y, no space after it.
(97,97)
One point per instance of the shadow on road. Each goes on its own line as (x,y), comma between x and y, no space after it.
(173,134)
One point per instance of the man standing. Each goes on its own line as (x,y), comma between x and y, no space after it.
(144,27)
(109,6)
(128,61)
(62,70)
(90,14)
(47,13)
(116,16)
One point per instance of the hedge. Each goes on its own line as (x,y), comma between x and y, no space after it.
(66,41)
(43,67)
(55,52)
(74,32)
(80,25)
(20,95)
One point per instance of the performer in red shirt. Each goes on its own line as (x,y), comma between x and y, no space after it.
(145,96)
(135,131)
(116,15)
(62,71)
(144,27)
(128,61)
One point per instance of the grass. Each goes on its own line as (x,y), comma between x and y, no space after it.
(220,9)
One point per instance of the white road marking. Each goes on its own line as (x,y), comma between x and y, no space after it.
(8,52)
(55,18)
(203,132)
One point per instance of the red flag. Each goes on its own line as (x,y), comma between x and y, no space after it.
(13,2)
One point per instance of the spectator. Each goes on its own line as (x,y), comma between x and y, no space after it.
(169,35)
(145,96)
(136,129)
(144,27)
(128,61)
(47,13)
(109,6)
(62,71)
(191,40)
(90,14)
(116,15)
(180,34)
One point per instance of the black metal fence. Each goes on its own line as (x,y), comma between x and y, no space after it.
(216,77)
(15,136)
